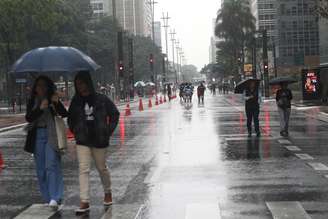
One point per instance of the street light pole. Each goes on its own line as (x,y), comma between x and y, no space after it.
(165,19)
(173,33)
(152,5)
(177,43)
(265,64)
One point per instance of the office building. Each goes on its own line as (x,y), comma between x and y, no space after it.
(134,16)
(158,33)
(298,33)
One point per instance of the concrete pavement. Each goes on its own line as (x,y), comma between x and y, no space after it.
(188,161)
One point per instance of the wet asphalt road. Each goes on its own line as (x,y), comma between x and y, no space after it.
(179,161)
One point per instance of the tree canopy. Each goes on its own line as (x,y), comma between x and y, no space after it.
(235,27)
(28,24)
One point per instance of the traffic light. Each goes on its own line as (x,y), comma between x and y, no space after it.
(121,69)
(151,62)
(266,66)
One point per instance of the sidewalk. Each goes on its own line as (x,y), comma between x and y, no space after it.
(13,121)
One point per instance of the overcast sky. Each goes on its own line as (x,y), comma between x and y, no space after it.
(193,22)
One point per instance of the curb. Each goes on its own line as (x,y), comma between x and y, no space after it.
(6,129)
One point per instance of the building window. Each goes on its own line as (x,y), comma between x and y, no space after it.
(282,9)
(294,11)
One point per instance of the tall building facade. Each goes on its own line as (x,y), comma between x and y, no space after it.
(134,16)
(158,33)
(264,12)
(323,30)
(298,33)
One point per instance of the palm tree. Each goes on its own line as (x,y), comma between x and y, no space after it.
(235,25)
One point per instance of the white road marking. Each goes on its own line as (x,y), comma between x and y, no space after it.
(246,138)
(304,156)
(287,210)
(203,210)
(318,166)
(284,141)
(124,211)
(139,213)
(36,211)
(293,148)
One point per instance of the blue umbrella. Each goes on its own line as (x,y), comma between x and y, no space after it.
(54,59)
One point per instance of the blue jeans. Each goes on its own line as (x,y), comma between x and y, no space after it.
(48,168)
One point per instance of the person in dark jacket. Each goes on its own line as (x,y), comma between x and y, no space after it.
(42,140)
(201,92)
(252,107)
(169,92)
(283,98)
(92,118)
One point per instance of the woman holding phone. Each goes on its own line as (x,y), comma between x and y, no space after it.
(42,141)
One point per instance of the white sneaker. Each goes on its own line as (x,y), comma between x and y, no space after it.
(53,204)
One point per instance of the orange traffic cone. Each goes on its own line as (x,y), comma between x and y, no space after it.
(156,103)
(150,105)
(127,110)
(2,163)
(161,100)
(70,135)
(140,105)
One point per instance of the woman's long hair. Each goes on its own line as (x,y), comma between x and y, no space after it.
(51,87)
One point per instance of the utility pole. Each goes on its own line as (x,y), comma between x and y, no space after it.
(274,57)
(131,68)
(152,4)
(177,43)
(165,19)
(265,64)
(254,53)
(173,33)
(116,72)
(121,73)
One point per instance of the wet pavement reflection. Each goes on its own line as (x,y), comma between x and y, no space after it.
(188,161)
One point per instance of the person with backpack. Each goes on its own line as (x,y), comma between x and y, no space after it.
(92,118)
(283,97)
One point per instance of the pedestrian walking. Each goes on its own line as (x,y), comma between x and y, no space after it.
(169,92)
(252,108)
(283,97)
(42,140)
(201,92)
(92,118)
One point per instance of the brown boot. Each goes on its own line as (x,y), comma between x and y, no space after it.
(108,200)
(84,208)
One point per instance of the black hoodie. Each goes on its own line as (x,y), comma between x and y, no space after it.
(92,119)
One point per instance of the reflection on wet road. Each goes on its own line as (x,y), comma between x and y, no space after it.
(190,161)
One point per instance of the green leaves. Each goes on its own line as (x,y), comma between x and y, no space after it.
(27,24)
(236,27)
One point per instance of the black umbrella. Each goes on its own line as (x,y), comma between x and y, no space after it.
(241,86)
(282,80)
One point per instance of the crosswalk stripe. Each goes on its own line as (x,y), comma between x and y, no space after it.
(36,211)
(304,156)
(203,210)
(284,141)
(293,148)
(318,166)
(132,211)
(287,210)
(246,138)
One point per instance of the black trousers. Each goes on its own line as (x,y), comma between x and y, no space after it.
(253,114)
